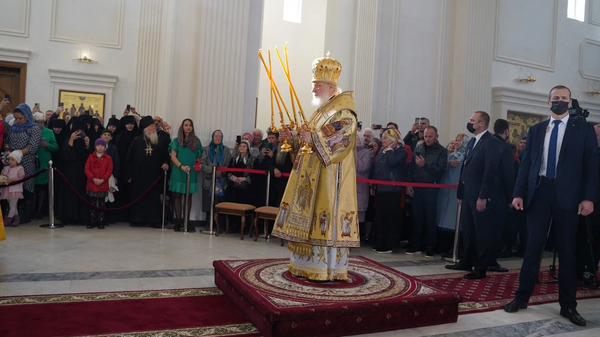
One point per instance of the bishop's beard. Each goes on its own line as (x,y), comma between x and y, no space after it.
(318,102)
(152,137)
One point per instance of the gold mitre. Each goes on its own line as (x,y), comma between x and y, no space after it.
(326,69)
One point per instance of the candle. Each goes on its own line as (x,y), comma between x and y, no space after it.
(274,84)
(287,64)
(292,87)
(271,84)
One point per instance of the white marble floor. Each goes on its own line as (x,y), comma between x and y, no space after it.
(121,258)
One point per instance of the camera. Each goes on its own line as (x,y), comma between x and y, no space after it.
(578,112)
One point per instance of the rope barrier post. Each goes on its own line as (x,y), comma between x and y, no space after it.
(456,238)
(51,224)
(186,205)
(266,222)
(164,201)
(212,203)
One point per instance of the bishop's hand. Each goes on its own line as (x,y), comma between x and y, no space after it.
(306,136)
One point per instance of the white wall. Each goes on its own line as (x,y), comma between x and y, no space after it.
(409,62)
(92,22)
(306,42)
(516,49)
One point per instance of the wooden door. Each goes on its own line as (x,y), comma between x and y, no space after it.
(12,82)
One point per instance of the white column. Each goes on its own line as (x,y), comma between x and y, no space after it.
(221,65)
(473,56)
(148,56)
(364,71)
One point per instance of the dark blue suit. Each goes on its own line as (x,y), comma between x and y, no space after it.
(479,180)
(557,200)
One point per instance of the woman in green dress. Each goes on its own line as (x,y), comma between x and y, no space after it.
(185,150)
(44,154)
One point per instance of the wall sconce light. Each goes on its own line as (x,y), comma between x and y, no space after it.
(594,88)
(85,56)
(529,78)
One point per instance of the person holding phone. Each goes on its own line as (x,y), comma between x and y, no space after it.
(417,132)
(70,209)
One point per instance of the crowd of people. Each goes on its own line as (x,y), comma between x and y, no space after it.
(115,166)
(120,166)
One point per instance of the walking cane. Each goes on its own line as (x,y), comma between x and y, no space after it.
(456,238)
(212,203)
(266,223)
(186,204)
(51,225)
(164,201)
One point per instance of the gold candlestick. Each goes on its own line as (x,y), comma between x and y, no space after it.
(287,146)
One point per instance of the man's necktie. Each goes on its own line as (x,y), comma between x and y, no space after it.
(470,145)
(551,164)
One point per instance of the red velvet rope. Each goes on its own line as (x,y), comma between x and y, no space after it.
(26,178)
(358,180)
(107,209)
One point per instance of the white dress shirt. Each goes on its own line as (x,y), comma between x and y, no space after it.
(562,126)
(478,137)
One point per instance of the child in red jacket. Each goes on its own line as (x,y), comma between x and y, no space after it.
(98,168)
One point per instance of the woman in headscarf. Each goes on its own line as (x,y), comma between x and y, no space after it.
(71,209)
(215,155)
(129,130)
(390,166)
(47,147)
(240,182)
(184,150)
(26,136)
(447,206)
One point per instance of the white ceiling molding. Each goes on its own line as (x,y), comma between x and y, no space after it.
(594,6)
(24,30)
(14,55)
(116,43)
(507,59)
(85,82)
(585,44)
(535,103)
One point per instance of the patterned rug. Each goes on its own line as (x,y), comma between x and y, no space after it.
(157,313)
(497,290)
(374,298)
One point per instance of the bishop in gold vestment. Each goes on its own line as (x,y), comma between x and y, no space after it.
(318,213)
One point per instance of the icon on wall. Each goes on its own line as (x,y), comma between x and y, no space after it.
(79,103)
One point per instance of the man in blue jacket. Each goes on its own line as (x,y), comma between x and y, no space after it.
(559,171)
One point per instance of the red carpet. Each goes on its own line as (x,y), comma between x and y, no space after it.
(497,290)
(375,298)
(188,312)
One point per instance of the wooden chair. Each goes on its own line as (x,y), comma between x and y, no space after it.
(267,213)
(232,208)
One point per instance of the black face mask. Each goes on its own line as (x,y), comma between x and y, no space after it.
(470,127)
(560,107)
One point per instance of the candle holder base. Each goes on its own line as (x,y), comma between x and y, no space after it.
(286,146)
(306,149)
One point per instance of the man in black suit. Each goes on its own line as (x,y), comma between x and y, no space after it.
(559,173)
(479,192)
(506,174)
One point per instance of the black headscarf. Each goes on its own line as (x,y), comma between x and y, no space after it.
(64,135)
(117,123)
(126,137)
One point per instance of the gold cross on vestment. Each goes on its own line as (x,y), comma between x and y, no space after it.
(148,150)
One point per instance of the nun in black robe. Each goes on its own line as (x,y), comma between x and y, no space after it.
(129,131)
(70,208)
